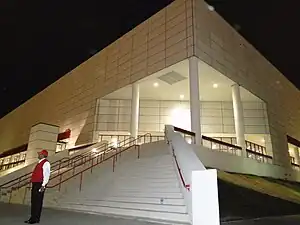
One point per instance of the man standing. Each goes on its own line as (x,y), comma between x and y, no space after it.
(39,179)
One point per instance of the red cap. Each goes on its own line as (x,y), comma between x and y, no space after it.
(44,153)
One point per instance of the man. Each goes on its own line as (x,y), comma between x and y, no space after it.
(39,179)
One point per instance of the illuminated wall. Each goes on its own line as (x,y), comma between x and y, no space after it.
(216,117)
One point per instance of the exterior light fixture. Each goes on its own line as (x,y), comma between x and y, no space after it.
(210,8)
(215,85)
(155,84)
(181,96)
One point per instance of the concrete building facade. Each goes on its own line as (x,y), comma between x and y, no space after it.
(184,42)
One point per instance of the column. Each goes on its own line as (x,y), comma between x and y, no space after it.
(96,118)
(296,155)
(42,136)
(135,108)
(195,98)
(239,118)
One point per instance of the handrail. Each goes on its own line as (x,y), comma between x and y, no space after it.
(56,163)
(91,157)
(133,142)
(177,129)
(259,154)
(16,162)
(220,142)
(186,186)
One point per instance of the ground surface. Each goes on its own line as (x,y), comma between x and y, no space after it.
(16,214)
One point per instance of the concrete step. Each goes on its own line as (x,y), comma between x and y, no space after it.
(147,170)
(147,180)
(135,206)
(147,195)
(156,176)
(166,201)
(147,189)
(141,214)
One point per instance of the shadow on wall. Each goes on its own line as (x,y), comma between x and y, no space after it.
(86,132)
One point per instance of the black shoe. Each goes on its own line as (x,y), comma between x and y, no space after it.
(31,222)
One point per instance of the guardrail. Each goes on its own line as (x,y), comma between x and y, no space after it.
(96,158)
(295,166)
(100,158)
(259,156)
(55,166)
(221,146)
(7,166)
(189,136)
(120,137)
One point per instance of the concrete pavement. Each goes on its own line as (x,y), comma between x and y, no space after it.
(16,214)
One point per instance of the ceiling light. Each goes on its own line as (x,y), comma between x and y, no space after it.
(155,84)
(181,96)
(215,85)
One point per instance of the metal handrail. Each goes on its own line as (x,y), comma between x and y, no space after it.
(24,177)
(185,185)
(192,134)
(83,158)
(221,142)
(102,159)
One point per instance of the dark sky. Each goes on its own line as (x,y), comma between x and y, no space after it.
(40,41)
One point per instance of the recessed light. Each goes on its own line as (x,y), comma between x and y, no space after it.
(155,84)
(215,85)
(181,96)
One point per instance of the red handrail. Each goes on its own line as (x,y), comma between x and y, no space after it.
(186,186)
(83,158)
(114,157)
(58,163)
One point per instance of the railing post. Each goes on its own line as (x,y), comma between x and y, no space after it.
(19,180)
(92,165)
(24,197)
(138,147)
(60,178)
(59,166)
(80,185)
(10,196)
(113,163)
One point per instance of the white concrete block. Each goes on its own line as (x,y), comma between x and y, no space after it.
(205,202)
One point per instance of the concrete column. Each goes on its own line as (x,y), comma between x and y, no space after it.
(135,108)
(96,118)
(42,136)
(296,155)
(268,144)
(195,98)
(239,118)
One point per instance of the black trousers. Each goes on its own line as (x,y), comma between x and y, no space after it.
(37,198)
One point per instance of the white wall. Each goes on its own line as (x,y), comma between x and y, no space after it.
(217,117)
(231,163)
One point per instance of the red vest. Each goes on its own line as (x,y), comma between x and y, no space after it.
(37,174)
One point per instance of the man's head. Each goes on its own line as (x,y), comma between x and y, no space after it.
(43,154)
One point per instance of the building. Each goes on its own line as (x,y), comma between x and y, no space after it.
(184,66)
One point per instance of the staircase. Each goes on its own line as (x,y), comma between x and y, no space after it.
(133,181)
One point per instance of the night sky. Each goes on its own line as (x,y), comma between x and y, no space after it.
(40,41)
